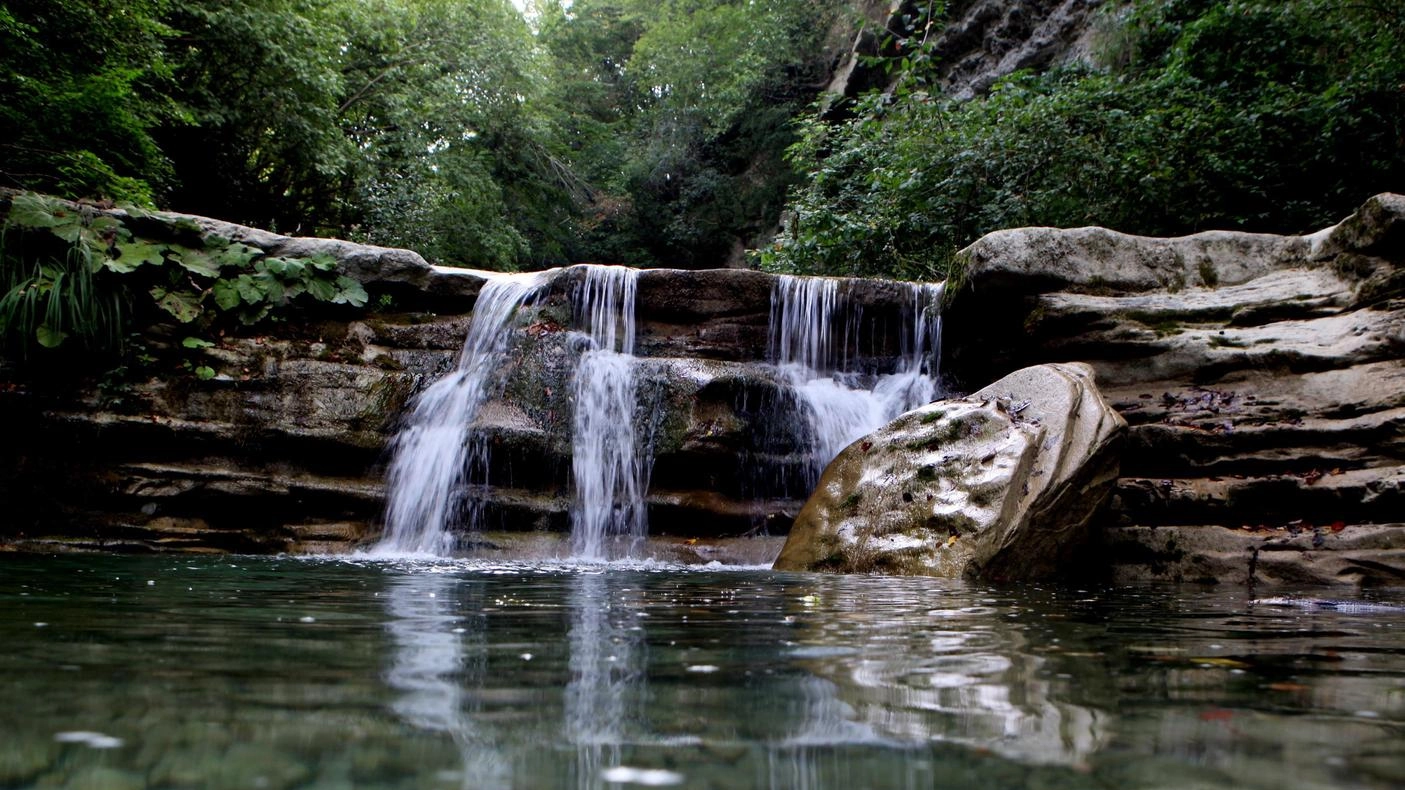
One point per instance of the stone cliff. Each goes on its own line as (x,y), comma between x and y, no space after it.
(285,448)
(1261,376)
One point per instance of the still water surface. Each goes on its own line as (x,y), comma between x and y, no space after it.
(127,672)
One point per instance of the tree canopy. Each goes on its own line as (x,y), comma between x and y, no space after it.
(680,132)
(606,130)
(1266,115)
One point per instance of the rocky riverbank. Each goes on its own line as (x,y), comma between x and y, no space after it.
(1260,378)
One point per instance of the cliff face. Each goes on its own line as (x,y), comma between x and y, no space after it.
(286,448)
(980,42)
(1261,376)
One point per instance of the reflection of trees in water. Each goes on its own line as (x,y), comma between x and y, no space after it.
(605,696)
(438,630)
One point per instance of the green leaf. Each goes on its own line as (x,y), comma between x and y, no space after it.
(29,210)
(69,230)
(195,342)
(49,338)
(350,292)
(322,262)
(197,262)
(204,373)
(253,315)
(226,294)
(185,225)
(134,254)
(249,290)
(104,225)
(236,254)
(273,290)
(322,290)
(184,306)
(284,267)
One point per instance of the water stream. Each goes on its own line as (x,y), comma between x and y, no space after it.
(608,466)
(816,344)
(838,390)
(436,459)
(297,674)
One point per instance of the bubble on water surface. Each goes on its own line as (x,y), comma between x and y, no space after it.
(650,777)
(95,740)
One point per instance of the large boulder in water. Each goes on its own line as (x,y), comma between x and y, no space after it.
(1000,484)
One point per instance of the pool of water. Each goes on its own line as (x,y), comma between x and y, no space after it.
(243,672)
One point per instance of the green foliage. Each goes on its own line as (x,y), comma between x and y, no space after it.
(81,90)
(677,115)
(1270,116)
(73,272)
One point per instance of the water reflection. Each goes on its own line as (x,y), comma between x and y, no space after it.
(604,700)
(935,672)
(732,680)
(438,629)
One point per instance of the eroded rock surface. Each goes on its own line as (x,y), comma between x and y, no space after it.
(1261,376)
(1001,484)
(285,448)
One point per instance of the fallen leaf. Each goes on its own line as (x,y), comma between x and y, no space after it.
(1338,526)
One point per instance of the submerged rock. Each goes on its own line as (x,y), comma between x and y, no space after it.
(1000,484)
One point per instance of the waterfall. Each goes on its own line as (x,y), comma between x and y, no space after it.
(435,456)
(816,335)
(609,471)
(843,373)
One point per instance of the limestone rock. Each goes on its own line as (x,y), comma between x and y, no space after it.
(1101,260)
(1000,484)
(1262,377)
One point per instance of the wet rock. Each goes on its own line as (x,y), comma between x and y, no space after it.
(1001,484)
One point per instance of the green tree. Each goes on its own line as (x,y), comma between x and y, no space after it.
(684,118)
(82,86)
(1269,116)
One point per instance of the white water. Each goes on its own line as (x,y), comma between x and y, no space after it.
(815,345)
(608,469)
(434,452)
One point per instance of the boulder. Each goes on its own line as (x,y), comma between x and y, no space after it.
(1000,484)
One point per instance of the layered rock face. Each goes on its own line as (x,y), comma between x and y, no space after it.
(286,448)
(1001,484)
(1261,377)
(980,42)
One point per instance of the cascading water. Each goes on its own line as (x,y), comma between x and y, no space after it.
(839,374)
(436,458)
(815,343)
(610,473)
